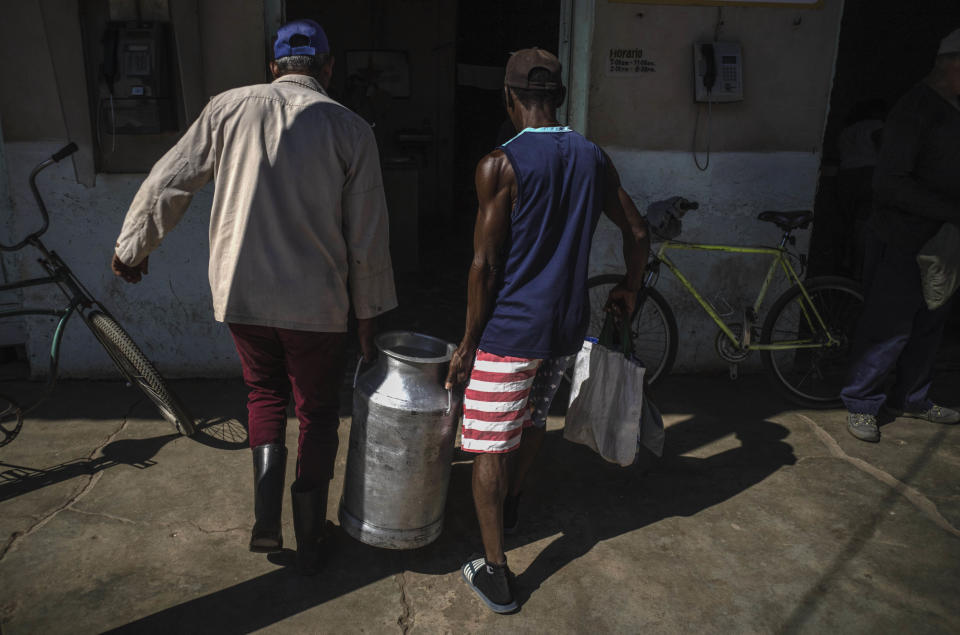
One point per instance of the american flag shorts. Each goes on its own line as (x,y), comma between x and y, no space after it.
(505,395)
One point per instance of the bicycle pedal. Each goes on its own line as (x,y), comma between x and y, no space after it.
(734,371)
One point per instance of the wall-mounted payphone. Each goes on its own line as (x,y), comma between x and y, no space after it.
(717,72)
(136,95)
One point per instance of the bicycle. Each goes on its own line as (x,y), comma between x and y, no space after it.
(127,356)
(806,336)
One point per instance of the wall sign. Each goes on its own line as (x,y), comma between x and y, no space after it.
(804,4)
(623,62)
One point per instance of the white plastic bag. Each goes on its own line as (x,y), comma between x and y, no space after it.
(939,262)
(606,403)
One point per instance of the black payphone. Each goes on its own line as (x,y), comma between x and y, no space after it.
(137,87)
(717,72)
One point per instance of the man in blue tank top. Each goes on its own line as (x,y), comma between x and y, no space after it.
(540,197)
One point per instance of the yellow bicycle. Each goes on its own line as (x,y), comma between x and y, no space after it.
(805,339)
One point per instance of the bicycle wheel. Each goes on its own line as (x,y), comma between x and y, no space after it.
(138,370)
(11,420)
(812,377)
(652,327)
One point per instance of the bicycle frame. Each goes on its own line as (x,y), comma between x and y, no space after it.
(780,261)
(78,301)
(129,359)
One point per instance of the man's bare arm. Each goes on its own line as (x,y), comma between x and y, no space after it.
(619,208)
(496,186)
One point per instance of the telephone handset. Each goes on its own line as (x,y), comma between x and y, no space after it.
(108,68)
(710,66)
(717,72)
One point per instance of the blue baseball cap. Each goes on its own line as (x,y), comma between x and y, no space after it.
(316,40)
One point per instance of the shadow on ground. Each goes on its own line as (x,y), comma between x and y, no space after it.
(221,425)
(574,497)
(573,502)
(219,433)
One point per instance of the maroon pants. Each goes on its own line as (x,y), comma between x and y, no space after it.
(277,362)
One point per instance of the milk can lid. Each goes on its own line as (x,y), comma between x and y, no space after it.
(414,347)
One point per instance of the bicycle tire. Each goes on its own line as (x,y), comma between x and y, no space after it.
(11,420)
(813,377)
(138,370)
(653,327)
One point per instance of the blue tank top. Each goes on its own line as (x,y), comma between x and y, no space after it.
(541,308)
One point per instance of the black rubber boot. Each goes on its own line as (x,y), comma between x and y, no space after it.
(310,526)
(269,469)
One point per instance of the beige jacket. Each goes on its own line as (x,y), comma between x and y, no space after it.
(298,227)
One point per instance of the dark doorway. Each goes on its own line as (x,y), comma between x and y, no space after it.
(450,57)
(432,134)
(486,34)
(886,47)
(395,67)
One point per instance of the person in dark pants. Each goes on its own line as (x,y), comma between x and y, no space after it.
(298,238)
(916,189)
(859,147)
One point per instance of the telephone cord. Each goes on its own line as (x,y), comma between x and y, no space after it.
(696,128)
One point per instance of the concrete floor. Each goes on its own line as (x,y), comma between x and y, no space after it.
(759,518)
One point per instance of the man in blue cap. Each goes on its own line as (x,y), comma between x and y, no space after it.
(298,237)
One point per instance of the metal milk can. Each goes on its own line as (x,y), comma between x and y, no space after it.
(401,444)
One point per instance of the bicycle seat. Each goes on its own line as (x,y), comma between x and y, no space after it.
(787,220)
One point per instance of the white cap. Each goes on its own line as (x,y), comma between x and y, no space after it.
(950,44)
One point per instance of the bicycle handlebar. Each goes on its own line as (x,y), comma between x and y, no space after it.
(56,157)
(64,152)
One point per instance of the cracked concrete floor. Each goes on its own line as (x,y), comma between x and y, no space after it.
(759,518)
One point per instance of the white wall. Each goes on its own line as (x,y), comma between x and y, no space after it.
(168,314)
(31,109)
(765,151)
(736,188)
(766,154)
(788,61)
(11,331)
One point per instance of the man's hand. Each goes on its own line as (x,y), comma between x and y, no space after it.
(128,273)
(460,366)
(621,302)
(366,332)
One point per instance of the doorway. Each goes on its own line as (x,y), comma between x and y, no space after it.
(885,48)
(428,75)
(486,34)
